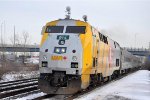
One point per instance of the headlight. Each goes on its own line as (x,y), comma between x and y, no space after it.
(57,50)
(74,58)
(74,64)
(44,57)
(44,64)
(62,50)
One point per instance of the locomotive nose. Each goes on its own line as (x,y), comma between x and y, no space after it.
(65,54)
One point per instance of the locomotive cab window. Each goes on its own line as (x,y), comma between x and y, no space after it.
(54,29)
(75,29)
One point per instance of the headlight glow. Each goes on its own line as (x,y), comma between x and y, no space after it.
(58,50)
(76,65)
(62,50)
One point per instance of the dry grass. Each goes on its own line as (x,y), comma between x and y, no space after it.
(8,66)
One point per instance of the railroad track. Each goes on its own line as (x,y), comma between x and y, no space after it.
(13,89)
(21,88)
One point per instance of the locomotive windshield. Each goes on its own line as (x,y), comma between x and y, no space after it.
(75,29)
(54,29)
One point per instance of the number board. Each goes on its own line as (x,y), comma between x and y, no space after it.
(62,37)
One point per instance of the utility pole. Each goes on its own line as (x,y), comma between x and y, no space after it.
(135,40)
(2,45)
(149,46)
(15,53)
(1,40)
(14,35)
(4,33)
(1,34)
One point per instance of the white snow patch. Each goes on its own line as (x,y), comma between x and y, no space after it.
(11,76)
(32,60)
(132,87)
(32,96)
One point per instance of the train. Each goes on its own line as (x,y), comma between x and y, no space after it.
(75,55)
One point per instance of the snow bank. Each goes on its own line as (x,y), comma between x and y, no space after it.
(132,87)
(19,75)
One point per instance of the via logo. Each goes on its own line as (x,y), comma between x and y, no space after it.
(61,42)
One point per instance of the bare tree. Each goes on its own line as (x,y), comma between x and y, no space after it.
(25,39)
(16,41)
(3,45)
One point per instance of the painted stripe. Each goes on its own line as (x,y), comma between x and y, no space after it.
(86,40)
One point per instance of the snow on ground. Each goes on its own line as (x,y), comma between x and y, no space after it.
(132,87)
(135,86)
(11,76)
(32,96)
(32,60)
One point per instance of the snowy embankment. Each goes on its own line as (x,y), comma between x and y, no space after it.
(11,76)
(132,87)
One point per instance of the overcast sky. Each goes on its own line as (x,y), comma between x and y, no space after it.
(125,21)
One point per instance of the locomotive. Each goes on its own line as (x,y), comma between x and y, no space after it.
(74,55)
